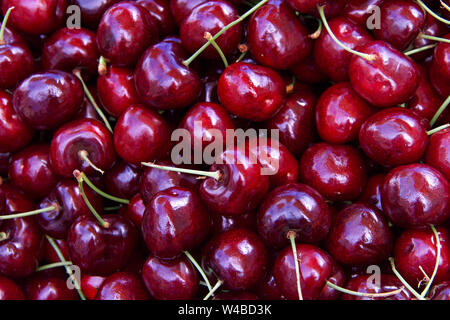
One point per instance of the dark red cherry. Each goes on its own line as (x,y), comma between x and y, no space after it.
(332,8)
(338,172)
(90,285)
(174,221)
(122,286)
(371,194)
(16,63)
(340,113)
(440,68)
(4,163)
(9,290)
(69,203)
(359,11)
(390,79)
(175,279)
(163,81)
(250,91)
(337,277)
(182,8)
(122,180)
(50,255)
(11,36)
(416,249)
(224,223)
(212,17)
(438,152)
(141,135)
(30,170)
(416,195)
(236,295)
(331,58)
(14,133)
(160,11)
(276,37)
(92,10)
(98,250)
(388,282)
(48,99)
(125,31)
(393,137)
(36,17)
(308,71)
(86,136)
(432,27)
(87,109)
(268,289)
(13,200)
(238,258)
(441,291)
(68,49)
(44,287)
(135,210)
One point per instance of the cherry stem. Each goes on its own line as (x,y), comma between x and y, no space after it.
(438,260)
(200,270)
(100,192)
(77,73)
(291,236)
(445,6)
(69,272)
(84,155)
(209,37)
(417,50)
(2,29)
(112,208)
(430,12)
(316,34)
(28,213)
(368,57)
(445,126)
(214,289)
(243,48)
(3,236)
(80,180)
(218,34)
(440,111)
(290,86)
(405,283)
(102,66)
(428,37)
(211,174)
(364,294)
(54,265)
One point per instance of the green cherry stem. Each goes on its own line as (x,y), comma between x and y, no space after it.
(2,29)
(243,49)
(29,213)
(433,131)
(405,283)
(84,155)
(100,192)
(421,49)
(200,270)
(3,236)
(363,294)
(209,37)
(439,39)
(291,235)
(211,174)
(436,265)
(102,66)
(440,111)
(112,208)
(54,265)
(445,6)
(316,34)
(214,289)
(431,13)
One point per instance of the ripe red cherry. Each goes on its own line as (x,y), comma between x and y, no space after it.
(122,286)
(390,79)
(293,207)
(363,284)
(371,194)
(16,63)
(182,8)
(338,172)
(48,99)
(224,223)
(237,257)
(122,180)
(86,136)
(360,10)
(45,287)
(440,68)
(9,290)
(340,113)
(393,137)
(174,221)
(13,200)
(174,279)
(416,195)
(308,71)
(441,291)
(332,8)
(212,17)
(125,31)
(92,10)
(276,37)
(90,285)
(250,91)
(160,11)
(134,211)
(268,289)
(50,255)
(432,27)
(438,152)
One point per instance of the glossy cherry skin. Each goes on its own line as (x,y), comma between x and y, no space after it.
(30,170)
(84,134)
(69,203)
(432,27)
(268,289)
(360,10)
(390,79)
(122,180)
(224,223)
(331,58)
(50,255)
(13,200)
(175,279)
(160,11)
(440,68)
(338,172)
(417,248)
(212,17)
(250,91)
(92,10)
(371,194)
(441,291)
(293,207)
(237,257)
(35,17)
(332,8)
(393,137)
(9,290)
(48,99)
(340,114)
(68,49)
(276,37)
(163,81)
(438,152)
(363,284)
(99,250)
(122,286)
(182,8)
(242,185)
(14,133)
(16,63)
(90,285)
(416,195)
(141,135)
(19,252)
(125,31)
(43,287)
(135,210)
(174,221)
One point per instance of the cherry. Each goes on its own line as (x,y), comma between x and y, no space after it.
(81,144)
(388,283)
(135,210)
(308,71)
(440,68)
(43,287)
(98,250)
(92,10)
(359,11)
(441,291)
(237,257)
(160,11)
(122,180)
(416,195)
(338,278)
(9,290)
(268,289)
(332,8)
(338,172)
(48,99)
(438,152)
(224,223)
(250,91)
(125,31)
(371,194)
(432,27)
(50,254)
(13,200)
(174,221)
(90,285)
(122,286)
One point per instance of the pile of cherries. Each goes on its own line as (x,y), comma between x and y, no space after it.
(93,206)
